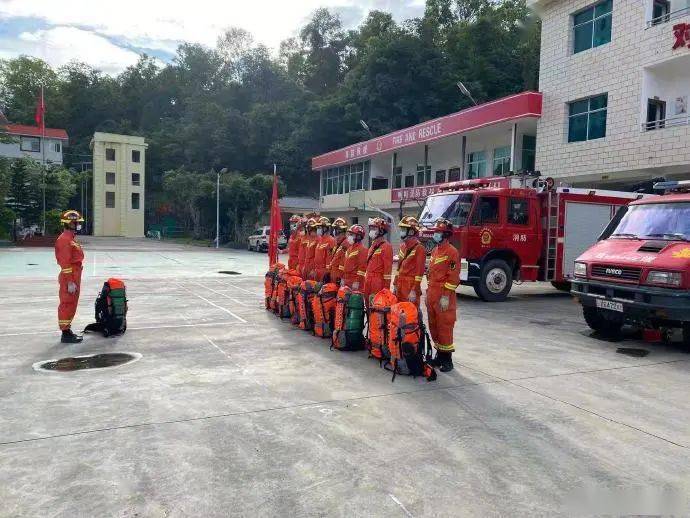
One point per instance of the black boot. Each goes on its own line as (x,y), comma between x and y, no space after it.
(68,337)
(437,361)
(447,362)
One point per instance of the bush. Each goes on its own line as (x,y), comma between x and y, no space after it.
(53,225)
(7,217)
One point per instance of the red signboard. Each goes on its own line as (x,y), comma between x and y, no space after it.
(420,193)
(681,32)
(527,104)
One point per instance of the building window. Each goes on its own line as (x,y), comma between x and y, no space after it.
(454,174)
(109,199)
(441,176)
(661,9)
(110,178)
(409,180)
(397,178)
(501,161)
(592,27)
(136,179)
(136,156)
(476,164)
(656,114)
(487,211)
(529,152)
(357,177)
(423,175)
(110,154)
(378,184)
(32,144)
(518,211)
(56,147)
(135,201)
(587,119)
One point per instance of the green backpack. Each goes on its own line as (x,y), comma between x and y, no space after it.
(348,333)
(111,309)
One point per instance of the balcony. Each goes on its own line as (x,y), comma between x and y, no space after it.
(666,11)
(665,95)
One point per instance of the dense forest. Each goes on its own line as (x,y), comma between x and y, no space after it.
(243,107)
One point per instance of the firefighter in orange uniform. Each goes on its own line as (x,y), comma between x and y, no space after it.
(309,250)
(325,244)
(336,266)
(294,242)
(411,263)
(355,259)
(379,260)
(443,278)
(69,256)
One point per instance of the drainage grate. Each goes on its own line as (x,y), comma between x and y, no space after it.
(629,351)
(229,272)
(92,361)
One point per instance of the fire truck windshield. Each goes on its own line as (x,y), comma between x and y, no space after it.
(657,220)
(452,206)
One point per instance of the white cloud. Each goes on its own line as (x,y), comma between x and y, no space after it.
(59,45)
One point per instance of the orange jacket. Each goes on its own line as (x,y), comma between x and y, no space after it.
(69,256)
(444,270)
(293,250)
(309,253)
(323,253)
(355,265)
(337,263)
(379,266)
(411,264)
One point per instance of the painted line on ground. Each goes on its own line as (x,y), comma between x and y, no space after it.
(214,305)
(408,513)
(142,328)
(221,294)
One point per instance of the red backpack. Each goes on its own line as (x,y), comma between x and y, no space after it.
(377,332)
(323,309)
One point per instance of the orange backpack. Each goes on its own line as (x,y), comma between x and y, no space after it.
(377,333)
(293,286)
(307,291)
(283,295)
(270,282)
(323,309)
(408,343)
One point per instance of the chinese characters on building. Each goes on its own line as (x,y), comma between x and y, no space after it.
(681,32)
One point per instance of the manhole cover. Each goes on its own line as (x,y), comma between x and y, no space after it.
(92,361)
(229,272)
(32,264)
(629,351)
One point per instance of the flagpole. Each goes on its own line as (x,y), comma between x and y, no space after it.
(43,156)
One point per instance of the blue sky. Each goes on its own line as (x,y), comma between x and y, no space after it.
(112,38)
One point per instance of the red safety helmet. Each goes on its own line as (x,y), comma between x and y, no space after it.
(379,224)
(357,231)
(443,225)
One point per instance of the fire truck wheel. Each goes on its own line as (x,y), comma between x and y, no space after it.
(606,323)
(561,286)
(495,281)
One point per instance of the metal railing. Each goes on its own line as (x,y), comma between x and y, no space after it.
(665,18)
(672,122)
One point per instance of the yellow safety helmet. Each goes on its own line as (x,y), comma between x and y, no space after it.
(339,223)
(409,222)
(311,223)
(323,222)
(71,216)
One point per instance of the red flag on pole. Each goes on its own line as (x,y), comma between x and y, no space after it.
(40,116)
(276,223)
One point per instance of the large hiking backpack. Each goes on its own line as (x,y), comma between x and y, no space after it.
(270,285)
(111,309)
(323,309)
(408,343)
(377,332)
(307,291)
(293,287)
(283,294)
(349,321)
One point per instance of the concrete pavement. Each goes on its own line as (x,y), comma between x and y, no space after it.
(230,412)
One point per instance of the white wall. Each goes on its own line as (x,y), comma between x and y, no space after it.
(667,83)
(13,150)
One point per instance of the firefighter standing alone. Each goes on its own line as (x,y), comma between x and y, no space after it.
(69,256)
(443,278)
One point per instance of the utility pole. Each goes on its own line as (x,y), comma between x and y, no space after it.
(224,170)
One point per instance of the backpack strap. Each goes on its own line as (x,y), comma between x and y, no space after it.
(372,252)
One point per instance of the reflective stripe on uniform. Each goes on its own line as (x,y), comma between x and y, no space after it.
(419,278)
(341,268)
(439,260)
(66,270)
(450,286)
(387,277)
(377,252)
(360,272)
(445,348)
(352,254)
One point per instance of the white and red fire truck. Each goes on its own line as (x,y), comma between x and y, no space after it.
(520,229)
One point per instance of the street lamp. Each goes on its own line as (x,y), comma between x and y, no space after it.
(465,91)
(366,127)
(222,171)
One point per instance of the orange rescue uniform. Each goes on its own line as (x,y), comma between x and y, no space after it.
(69,256)
(293,250)
(322,255)
(355,266)
(302,254)
(379,267)
(337,264)
(309,253)
(443,278)
(411,264)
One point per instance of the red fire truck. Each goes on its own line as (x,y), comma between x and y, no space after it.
(639,272)
(520,228)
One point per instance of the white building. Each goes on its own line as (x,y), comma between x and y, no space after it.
(30,141)
(615,79)
(396,172)
(119,164)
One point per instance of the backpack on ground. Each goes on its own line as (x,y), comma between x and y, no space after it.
(293,287)
(408,343)
(377,330)
(323,309)
(111,309)
(349,321)
(270,281)
(307,291)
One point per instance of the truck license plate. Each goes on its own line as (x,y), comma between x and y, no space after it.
(611,306)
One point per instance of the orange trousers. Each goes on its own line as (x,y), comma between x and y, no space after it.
(404,285)
(68,301)
(441,323)
(373,284)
